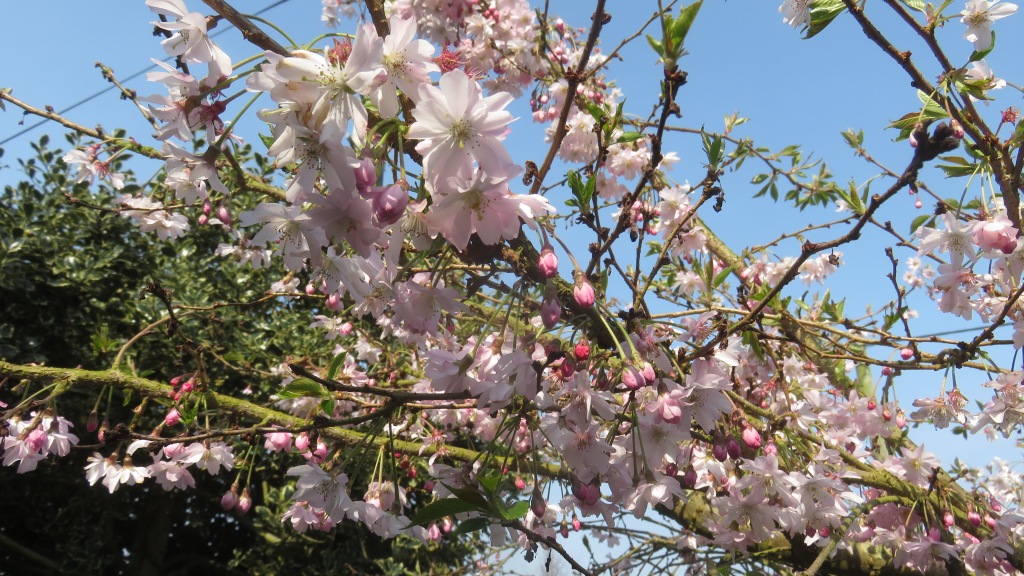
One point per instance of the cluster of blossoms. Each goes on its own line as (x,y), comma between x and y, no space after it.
(633,431)
(169,467)
(499,36)
(28,442)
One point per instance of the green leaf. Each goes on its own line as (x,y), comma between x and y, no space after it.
(437,510)
(470,496)
(854,139)
(471,525)
(721,277)
(712,148)
(583,191)
(914,4)
(658,49)
(681,27)
(976,55)
(823,12)
(628,137)
(959,166)
(490,483)
(515,511)
(931,110)
(919,221)
(301,388)
(336,363)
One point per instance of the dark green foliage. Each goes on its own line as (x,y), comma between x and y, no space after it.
(71,278)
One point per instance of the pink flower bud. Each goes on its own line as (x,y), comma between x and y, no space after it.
(224,215)
(520,483)
(632,378)
(771,448)
(689,479)
(576,524)
(434,532)
(587,494)
(310,289)
(550,312)
(901,419)
(203,219)
(173,417)
(278,441)
(366,176)
(918,131)
(947,519)
(207,208)
(872,404)
(230,499)
(648,372)
(907,353)
(990,522)
(245,502)
(36,440)
(320,454)
(446,525)
(973,518)
(428,486)
(732,448)
(548,262)
(720,452)
(389,205)
(567,368)
(886,370)
(918,204)
(188,386)
(751,437)
(564,529)
(958,129)
(334,302)
(671,469)
(302,442)
(92,422)
(537,505)
(583,292)
(582,350)
(824,532)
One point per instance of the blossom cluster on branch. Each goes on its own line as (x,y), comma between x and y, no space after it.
(518,360)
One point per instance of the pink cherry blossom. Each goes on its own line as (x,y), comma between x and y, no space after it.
(458,126)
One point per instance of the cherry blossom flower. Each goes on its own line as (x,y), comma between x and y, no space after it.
(190,39)
(126,473)
(955,238)
(210,457)
(979,16)
(151,217)
(90,166)
(171,474)
(299,239)
(457,126)
(796,13)
(337,78)
(322,490)
(483,206)
(407,62)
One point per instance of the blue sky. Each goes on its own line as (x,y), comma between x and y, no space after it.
(742,59)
